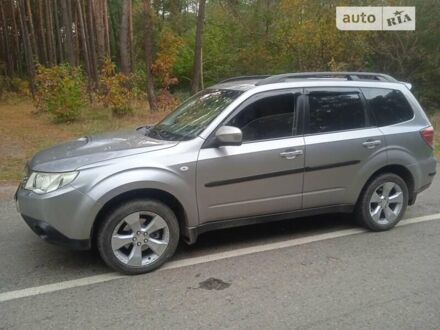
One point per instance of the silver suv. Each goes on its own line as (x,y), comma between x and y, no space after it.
(247,150)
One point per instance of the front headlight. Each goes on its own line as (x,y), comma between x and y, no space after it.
(42,183)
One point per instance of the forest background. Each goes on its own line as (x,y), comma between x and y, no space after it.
(75,67)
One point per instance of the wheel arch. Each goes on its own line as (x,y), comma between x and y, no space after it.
(143,193)
(399,170)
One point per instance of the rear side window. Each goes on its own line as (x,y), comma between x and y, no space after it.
(335,111)
(388,106)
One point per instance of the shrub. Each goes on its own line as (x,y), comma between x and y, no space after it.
(166,57)
(169,46)
(60,90)
(13,88)
(114,91)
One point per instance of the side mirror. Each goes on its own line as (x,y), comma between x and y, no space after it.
(228,136)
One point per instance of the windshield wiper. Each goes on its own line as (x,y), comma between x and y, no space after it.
(154,133)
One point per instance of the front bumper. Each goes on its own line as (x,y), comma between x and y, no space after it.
(47,233)
(64,217)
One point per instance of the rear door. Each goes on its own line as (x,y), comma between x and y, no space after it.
(264,175)
(341,146)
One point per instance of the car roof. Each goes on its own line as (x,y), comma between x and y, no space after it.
(311,79)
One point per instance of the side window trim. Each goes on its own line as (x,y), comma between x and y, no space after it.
(370,120)
(209,142)
(306,110)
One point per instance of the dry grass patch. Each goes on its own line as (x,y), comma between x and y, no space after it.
(23,132)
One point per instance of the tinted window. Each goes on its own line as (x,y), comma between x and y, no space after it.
(388,106)
(335,111)
(268,118)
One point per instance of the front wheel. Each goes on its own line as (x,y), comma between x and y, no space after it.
(138,236)
(383,202)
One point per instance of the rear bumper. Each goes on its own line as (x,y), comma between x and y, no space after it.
(48,233)
(423,173)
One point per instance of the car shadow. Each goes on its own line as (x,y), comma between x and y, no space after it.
(232,238)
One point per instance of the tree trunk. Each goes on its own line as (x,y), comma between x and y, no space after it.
(3,54)
(92,38)
(76,37)
(27,46)
(7,49)
(4,47)
(100,28)
(197,68)
(124,35)
(130,34)
(50,34)
(32,34)
(106,30)
(16,38)
(114,43)
(66,11)
(149,54)
(43,43)
(82,31)
(58,33)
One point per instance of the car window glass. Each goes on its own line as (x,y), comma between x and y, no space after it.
(194,115)
(335,111)
(267,118)
(388,106)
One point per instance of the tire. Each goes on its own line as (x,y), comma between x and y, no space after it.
(383,210)
(138,236)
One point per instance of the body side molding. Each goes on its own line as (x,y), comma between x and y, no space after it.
(280,173)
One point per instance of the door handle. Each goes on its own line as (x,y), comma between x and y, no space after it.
(291,154)
(371,144)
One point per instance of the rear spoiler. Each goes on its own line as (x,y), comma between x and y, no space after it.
(407,84)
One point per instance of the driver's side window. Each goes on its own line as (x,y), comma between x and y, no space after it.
(270,117)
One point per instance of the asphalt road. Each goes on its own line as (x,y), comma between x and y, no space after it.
(360,280)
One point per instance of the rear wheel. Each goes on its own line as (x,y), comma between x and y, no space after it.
(383,202)
(138,236)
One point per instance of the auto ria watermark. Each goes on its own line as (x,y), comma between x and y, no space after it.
(376,18)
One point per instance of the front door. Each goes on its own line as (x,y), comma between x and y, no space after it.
(264,175)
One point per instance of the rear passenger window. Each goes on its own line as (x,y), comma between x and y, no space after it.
(388,106)
(335,111)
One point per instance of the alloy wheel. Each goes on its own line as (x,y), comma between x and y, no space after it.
(140,238)
(386,203)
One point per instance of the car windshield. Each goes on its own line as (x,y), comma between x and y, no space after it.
(194,115)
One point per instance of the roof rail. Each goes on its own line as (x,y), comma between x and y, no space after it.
(244,78)
(322,75)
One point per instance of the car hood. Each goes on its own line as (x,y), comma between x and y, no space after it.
(87,150)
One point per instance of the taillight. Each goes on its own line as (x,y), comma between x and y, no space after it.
(428,135)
